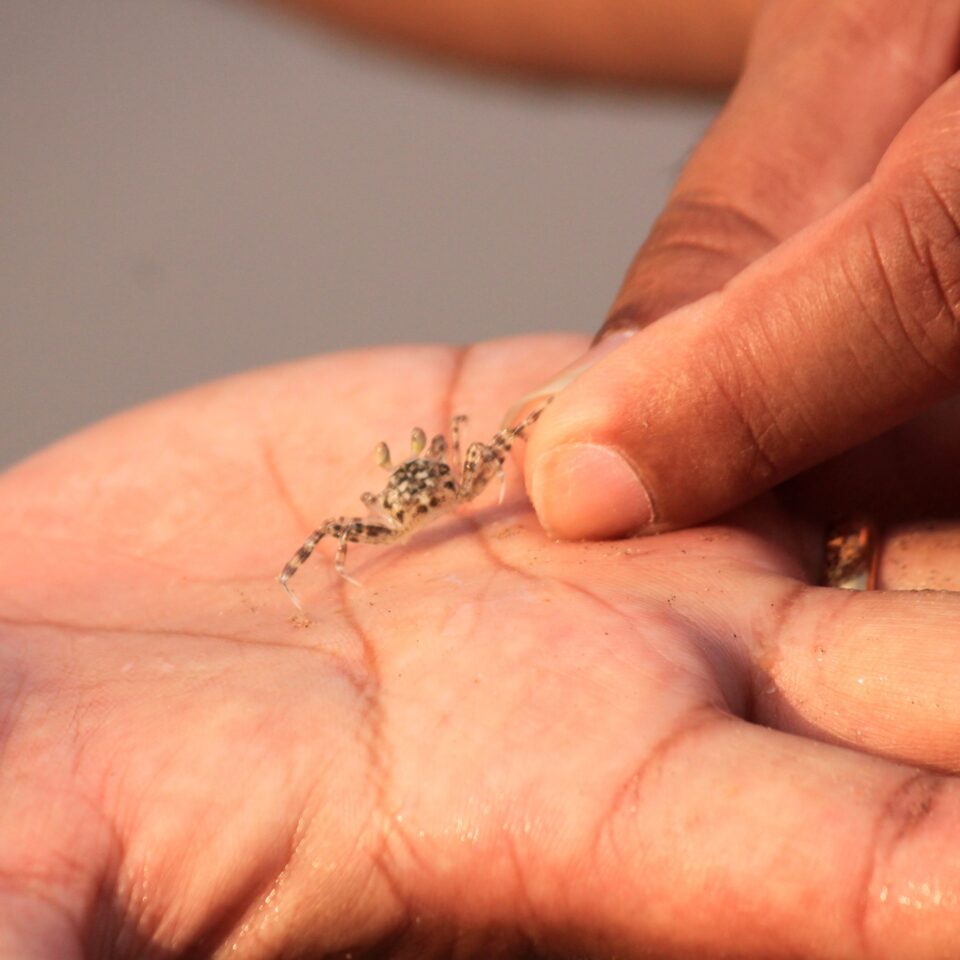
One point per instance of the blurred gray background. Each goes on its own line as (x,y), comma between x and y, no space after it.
(193,187)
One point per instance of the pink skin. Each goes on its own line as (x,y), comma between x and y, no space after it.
(497,741)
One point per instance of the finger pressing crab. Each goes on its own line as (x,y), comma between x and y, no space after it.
(419,490)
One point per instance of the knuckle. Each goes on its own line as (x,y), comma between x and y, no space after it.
(711,225)
(696,245)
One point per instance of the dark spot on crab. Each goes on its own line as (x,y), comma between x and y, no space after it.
(421,508)
(450,485)
(400,515)
(434,501)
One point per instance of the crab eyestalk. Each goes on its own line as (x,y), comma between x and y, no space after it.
(418,440)
(382,454)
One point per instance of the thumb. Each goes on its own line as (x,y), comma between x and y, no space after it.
(837,335)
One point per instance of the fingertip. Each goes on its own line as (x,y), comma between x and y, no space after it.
(585,491)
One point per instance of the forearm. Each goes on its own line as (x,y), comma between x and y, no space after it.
(644,41)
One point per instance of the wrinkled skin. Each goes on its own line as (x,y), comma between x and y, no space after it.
(497,746)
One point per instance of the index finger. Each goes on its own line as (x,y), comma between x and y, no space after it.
(844,331)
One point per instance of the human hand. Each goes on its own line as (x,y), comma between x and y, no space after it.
(816,230)
(678,41)
(499,745)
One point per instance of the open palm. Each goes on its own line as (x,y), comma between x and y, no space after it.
(496,746)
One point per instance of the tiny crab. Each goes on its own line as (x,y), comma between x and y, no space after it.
(419,490)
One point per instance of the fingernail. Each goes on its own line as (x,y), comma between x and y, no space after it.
(567,375)
(583,491)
